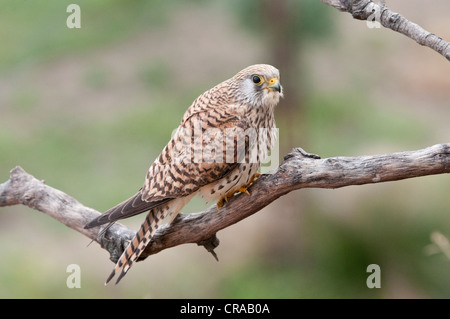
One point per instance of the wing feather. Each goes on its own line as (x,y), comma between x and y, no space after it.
(185,165)
(183,168)
(130,207)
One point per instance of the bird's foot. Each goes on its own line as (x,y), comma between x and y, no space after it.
(242,189)
(225,199)
(253,179)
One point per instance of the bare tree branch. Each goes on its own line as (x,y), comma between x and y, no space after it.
(296,172)
(369,10)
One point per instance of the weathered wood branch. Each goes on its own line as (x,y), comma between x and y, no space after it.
(297,171)
(370,11)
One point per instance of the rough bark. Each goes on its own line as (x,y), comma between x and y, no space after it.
(371,11)
(297,171)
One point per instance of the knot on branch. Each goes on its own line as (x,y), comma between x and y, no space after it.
(210,244)
(115,241)
(300,152)
(359,12)
(442,155)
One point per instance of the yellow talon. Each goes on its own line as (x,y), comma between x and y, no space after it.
(242,189)
(220,203)
(253,178)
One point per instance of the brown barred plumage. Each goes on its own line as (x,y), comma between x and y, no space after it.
(222,139)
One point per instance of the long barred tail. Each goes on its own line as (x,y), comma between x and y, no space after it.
(138,243)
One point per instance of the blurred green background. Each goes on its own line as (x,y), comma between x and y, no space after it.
(88,110)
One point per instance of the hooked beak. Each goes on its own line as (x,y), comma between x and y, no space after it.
(274,85)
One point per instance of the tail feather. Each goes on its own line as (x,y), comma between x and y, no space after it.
(138,243)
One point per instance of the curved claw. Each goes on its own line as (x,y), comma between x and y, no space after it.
(242,189)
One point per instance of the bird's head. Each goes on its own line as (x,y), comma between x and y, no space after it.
(258,85)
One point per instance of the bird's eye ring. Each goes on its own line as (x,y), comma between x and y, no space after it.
(258,80)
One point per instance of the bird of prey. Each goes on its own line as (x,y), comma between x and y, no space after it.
(215,152)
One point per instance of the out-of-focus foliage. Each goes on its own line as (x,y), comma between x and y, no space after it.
(88,110)
(308,20)
(33,30)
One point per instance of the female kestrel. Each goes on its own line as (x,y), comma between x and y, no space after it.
(216,152)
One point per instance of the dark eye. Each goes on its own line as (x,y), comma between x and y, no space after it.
(257,79)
